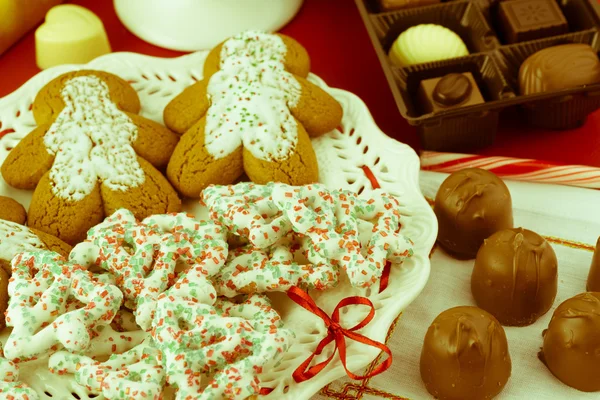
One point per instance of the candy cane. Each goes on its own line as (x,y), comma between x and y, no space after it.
(528,170)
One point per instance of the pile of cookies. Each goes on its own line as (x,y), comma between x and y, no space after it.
(141,293)
(514,282)
(149,298)
(92,154)
(172,301)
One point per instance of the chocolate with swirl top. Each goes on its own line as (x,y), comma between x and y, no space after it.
(465,355)
(572,342)
(470,205)
(559,67)
(515,276)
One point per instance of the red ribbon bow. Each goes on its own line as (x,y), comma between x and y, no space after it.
(338,334)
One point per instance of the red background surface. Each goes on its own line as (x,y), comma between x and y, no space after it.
(342,55)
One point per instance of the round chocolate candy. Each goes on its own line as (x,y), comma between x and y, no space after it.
(452,90)
(515,276)
(471,205)
(465,355)
(572,342)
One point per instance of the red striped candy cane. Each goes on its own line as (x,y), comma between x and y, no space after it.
(527,170)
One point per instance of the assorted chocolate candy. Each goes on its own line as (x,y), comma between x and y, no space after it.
(470,206)
(514,282)
(515,277)
(465,355)
(540,55)
(451,90)
(572,342)
(523,20)
(558,68)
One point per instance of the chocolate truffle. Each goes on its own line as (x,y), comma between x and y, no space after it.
(449,91)
(425,43)
(522,20)
(559,67)
(389,5)
(515,276)
(465,355)
(572,342)
(471,205)
(593,281)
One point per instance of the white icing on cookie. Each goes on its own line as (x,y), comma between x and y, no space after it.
(91,140)
(15,239)
(250,99)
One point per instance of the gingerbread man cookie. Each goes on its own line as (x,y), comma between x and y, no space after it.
(254,112)
(90,155)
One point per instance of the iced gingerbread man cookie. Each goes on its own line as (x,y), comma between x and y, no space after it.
(90,155)
(253,112)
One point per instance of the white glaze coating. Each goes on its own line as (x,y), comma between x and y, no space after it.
(251,95)
(54,304)
(15,239)
(91,140)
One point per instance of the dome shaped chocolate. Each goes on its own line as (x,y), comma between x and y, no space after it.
(515,276)
(470,205)
(465,355)
(572,342)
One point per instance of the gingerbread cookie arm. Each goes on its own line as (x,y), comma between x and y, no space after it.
(187,108)
(213,61)
(299,168)
(154,142)
(297,60)
(28,161)
(49,101)
(62,218)
(53,243)
(317,110)
(192,168)
(154,196)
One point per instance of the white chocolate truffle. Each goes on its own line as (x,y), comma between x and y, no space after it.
(426,43)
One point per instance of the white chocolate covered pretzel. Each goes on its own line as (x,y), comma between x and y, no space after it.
(54,303)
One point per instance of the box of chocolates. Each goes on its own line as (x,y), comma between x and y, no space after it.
(453,66)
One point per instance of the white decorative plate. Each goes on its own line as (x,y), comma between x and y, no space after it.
(341,155)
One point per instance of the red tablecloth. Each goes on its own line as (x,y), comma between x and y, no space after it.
(342,54)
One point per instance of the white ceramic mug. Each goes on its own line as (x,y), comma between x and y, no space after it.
(189,25)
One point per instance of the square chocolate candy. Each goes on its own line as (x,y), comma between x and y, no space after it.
(523,20)
(449,91)
(388,5)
